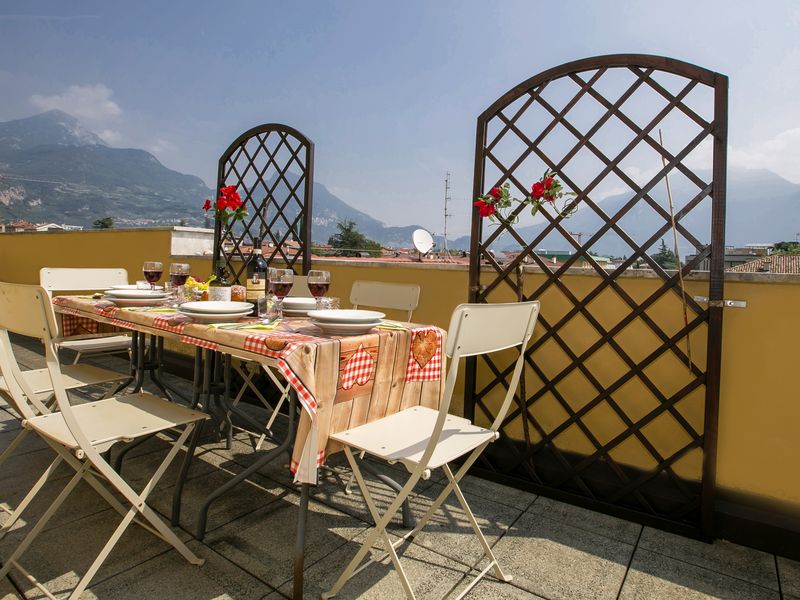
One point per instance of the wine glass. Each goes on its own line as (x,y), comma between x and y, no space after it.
(280,283)
(152,271)
(178,274)
(318,284)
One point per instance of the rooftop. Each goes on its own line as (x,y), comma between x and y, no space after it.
(776,263)
(553,550)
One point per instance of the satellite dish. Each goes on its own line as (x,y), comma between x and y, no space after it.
(423,241)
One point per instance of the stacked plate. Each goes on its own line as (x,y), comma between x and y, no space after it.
(135,297)
(345,322)
(295,306)
(215,312)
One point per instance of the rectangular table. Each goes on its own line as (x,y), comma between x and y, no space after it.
(341,382)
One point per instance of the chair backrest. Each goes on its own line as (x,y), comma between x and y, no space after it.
(379,294)
(300,287)
(24,310)
(71,279)
(483,329)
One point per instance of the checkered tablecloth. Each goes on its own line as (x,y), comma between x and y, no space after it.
(341,382)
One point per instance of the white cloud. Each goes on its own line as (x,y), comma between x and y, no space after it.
(109,136)
(160,146)
(83,101)
(780,154)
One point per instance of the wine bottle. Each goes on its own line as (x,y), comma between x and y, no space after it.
(256,276)
(220,288)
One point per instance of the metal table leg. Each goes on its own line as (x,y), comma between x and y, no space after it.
(285,446)
(300,542)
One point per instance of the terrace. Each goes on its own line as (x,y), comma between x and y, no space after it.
(647,448)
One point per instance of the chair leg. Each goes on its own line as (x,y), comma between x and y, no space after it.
(43,520)
(379,531)
(13,445)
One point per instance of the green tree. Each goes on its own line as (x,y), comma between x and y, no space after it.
(665,257)
(787,247)
(349,241)
(104,223)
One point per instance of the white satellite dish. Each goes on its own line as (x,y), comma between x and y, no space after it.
(423,241)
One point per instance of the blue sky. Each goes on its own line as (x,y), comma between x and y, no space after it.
(388,91)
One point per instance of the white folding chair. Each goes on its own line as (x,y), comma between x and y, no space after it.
(80,434)
(423,439)
(74,279)
(379,294)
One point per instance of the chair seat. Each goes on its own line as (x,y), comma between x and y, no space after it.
(74,376)
(404,436)
(109,343)
(122,418)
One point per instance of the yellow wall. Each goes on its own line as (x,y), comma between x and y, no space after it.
(759,404)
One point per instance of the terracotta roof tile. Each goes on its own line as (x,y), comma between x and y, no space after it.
(776,263)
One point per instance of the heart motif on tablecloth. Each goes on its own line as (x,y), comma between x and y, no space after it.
(358,369)
(423,348)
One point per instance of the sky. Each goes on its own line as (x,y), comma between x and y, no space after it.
(388,91)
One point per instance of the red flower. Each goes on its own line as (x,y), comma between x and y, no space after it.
(548,182)
(222,203)
(484,208)
(538,189)
(207,205)
(496,193)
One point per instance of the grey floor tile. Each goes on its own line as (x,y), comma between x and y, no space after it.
(449,531)
(496,492)
(59,557)
(491,589)
(790,576)
(7,591)
(170,576)
(556,560)
(721,556)
(262,542)
(430,575)
(583,518)
(656,576)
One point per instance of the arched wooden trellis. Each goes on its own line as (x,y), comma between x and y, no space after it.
(615,411)
(272,166)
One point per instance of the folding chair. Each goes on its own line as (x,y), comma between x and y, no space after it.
(423,439)
(80,434)
(70,279)
(378,294)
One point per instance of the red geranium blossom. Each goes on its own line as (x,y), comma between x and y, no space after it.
(207,205)
(548,182)
(496,193)
(485,209)
(537,189)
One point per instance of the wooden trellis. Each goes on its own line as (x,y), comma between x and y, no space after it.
(272,167)
(551,442)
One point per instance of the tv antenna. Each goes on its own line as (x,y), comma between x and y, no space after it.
(577,235)
(423,242)
(446,215)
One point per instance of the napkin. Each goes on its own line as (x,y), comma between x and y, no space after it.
(261,326)
(150,309)
(391,326)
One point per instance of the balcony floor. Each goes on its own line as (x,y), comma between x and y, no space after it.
(553,550)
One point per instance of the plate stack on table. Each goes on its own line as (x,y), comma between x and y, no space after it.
(297,306)
(215,311)
(345,322)
(136,297)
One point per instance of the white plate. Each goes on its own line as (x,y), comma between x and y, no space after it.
(346,328)
(299,303)
(135,301)
(346,316)
(214,317)
(194,312)
(136,293)
(295,313)
(131,286)
(216,306)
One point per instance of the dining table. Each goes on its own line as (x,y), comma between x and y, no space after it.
(340,381)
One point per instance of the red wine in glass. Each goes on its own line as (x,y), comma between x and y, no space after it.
(280,289)
(177,279)
(318,289)
(152,276)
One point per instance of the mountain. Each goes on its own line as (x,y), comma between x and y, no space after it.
(54,170)
(761,207)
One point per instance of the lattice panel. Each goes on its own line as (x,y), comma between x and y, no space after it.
(272,167)
(613,410)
